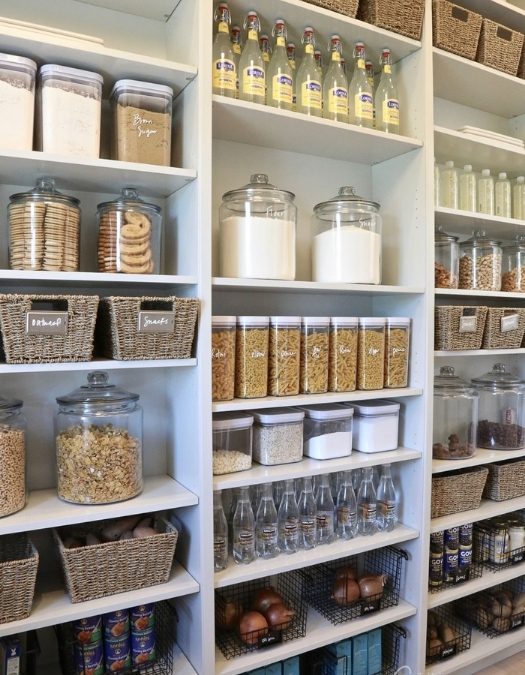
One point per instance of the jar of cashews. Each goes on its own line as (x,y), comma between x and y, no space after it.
(129,231)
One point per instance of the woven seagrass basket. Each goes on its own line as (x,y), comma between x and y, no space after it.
(500,47)
(400,16)
(506,480)
(521,67)
(18,568)
(457,491)
(346,7)
(455,29)
(451,324)
(504,328)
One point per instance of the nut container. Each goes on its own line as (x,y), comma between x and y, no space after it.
(480,264)
(455,416)
(251,357)
(17,102)
(371,353)
(446,260)
(513,277)
(284,356)
(223,357)
(314,354)
(278,436)
(232,442)
(342,358)
(397,352)
(12,456)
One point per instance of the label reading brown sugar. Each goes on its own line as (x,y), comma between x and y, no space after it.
(46,323)
(156,322)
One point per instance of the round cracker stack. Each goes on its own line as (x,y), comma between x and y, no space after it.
(124,242)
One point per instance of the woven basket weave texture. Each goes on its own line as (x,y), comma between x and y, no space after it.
(18,568)
(455,29)
(458,492)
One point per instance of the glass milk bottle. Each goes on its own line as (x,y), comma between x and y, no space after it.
(360,95)
(386,98)
(236,48)
(252,75)
(224,76)
(325,512)
(308,82)
(279,72)
(266,50)
(502,196)
(288,520)
(220,534)
(266,531)
(387,501)
(335,85)
(518,198)
(367,504)
(307,515)
(243,529)
(468,194)
(486,193)
(449,186)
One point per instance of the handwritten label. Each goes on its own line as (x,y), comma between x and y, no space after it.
(468,324)
(46,323)
(142,125)
(510,322)
(156,322)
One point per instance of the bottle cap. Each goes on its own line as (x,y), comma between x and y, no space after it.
(520,179)
(467,167)
(485,172)
(449,164)
(502,175)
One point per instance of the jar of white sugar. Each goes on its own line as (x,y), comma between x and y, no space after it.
(69,111)
(327,430)
(278,436)
(347,240)
(257,232)
(232,442)
(17,102)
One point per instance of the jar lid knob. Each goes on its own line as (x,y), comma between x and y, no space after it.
(259,178)
(98,378)
(45,184)
(130,193)
(447,370)
(499,368)
(347,191)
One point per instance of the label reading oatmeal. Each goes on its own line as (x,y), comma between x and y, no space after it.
(46,323)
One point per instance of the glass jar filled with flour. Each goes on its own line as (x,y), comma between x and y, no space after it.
(347,240)
(257,232)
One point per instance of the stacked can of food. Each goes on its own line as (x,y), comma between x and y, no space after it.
(44,229)
(12,457)
(284,355)
(371,353)
(251,358)
(397,347)
(223,357)
(342,361)
(314,354)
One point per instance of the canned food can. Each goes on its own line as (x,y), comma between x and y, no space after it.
(436,570)
(465,556)
(117,654)
(452,539)
(142,617)
(89,658)
(88,630)
(143,647)
(465,534)
(450,565)
(116,624)
(437,542)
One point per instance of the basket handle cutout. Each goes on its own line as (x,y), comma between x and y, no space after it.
(157,305)
(504,33)
(460,13)
(49,305)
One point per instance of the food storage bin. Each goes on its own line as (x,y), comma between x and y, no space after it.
(499,47)
(141,122)
(455,29)
(18,569)
(398,16)
(513,276)
(346,7)
(284,355)
(44,229)
(327,430)
(17,102)
(457,491)
(397,352)
(70,102)
(371,353)
(455,416)
(278,436)
(232,442)
(257,231)
(480,264)
(347,240)
(12,456)
(504,328)
(501,409)
(458,327)
(342,353)
(446,261)
(314,354)
(376,426)
(129,233)
(223,357)
(251,356)
(98,432)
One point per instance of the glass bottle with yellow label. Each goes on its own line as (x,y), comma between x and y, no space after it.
(236,48)
(290,51)
(361,102)
(266,50)
(280,74)
(335,85)
(369,67)
(318,56)
(224,71)
(387,99)
(252,73)
(308,84)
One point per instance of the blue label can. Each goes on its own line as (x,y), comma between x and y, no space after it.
(89,659)
(88,630)
(142,617)
(117,654)
(116,624)
(143,647)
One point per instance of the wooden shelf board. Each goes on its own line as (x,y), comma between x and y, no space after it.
(26,277)
(489,295)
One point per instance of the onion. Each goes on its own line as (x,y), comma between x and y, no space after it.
(345,591)
(264,598)
(346,573)
(279,616)
(252,627)
(372,584)
(229,616)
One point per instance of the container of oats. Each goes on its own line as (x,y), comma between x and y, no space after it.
(314,354)
(278,436)
(98,433)
(12,456)
(397,351)
(232,442)
(371,353)
(223,357)
(251,356)
(284,356)
(342,361)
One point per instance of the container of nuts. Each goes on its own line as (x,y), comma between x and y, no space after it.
(12,457)
(342,357)
(480,264)
(251,357)
(285,353)
(446,260)
(513,277)
(98,435)
(371,353)
(314,354)
(397,351)
(223,357)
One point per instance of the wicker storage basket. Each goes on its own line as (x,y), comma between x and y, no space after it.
(119,337)
(504,328)
(346,7)
(76,344)
(457,491)
(118,566)
(521,67)
(18,567)
(459,327)
(506,480)
(500,47)
(455,29)
(400,16)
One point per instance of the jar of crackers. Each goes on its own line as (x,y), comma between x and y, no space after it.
(129,235)
(44,229)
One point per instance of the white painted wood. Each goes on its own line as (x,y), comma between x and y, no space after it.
(153,9)
(464,223)
(481,456)
(487,509)
(478,352)
(24,277)
(268,286)
(489,295)
(96,364)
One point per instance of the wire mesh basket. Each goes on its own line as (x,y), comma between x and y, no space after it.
(443,644)
(290,588)
(321,581)
(493,544)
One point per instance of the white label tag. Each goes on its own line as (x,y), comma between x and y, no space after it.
(156,322)
(468,324)
(46,323)
(510,322)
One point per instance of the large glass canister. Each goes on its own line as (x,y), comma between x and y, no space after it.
(257,231)
(223,330)
(44,229)
(446,260)
(347,240)
(284,355)
(513,277)
(12,456)
(455,416)
(314,354)
(480,264)
(501,409)
(98,432)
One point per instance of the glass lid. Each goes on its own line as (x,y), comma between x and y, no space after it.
(479,238)
(129,198)
(442,237)
(347,198)
(259,187)
(498,378)
(45,189)
(7,404)
(447,379)
(97,391)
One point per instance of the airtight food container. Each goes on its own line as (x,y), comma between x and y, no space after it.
(327,430)
(278,435)
(17,102)
(376,426)
(232,442)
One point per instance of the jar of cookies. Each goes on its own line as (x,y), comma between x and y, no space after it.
(44,229)
(129,232)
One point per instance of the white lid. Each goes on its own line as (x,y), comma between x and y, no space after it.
(326,411)
(278,415)
(372,321)
(449,164)
(221,320)
(398,321)
(520,179)
(344,321)
(139,87)
(316,320)
(231,420)
(485,172)
(285,320)
(467,167)
(252,320)
(73,73)
(6,59)
(375,408)
(502,175)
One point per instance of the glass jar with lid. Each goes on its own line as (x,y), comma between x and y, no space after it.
(501,409)
(12,456)
(347,240)
(129,231)
(98,432)
(257,231)
(513,276)
(480,264)
(455,416)
(446,260)
(17,102)
(44,229)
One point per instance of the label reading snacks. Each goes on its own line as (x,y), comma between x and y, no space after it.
(510,322)
(156,322)
(46,323)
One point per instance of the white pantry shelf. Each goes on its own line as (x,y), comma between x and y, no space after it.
(510,14)
(97,363)
(465,222)
(479,352)
(487,509)
(273,286)
(319,632)
(26,278)
(489,295)
(44,509)
(159,10)
(482,456)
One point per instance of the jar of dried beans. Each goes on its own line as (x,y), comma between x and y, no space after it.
(397,351)
(251,357)
(513,277)
(371,353)
(314,354)
(446,260)
(223,357)
(285,352)
(480,264)
(12,456)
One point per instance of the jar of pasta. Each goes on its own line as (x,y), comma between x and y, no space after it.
(314,354)
(371,353)
(342,362)
(223,357)
(284,358)
(397,351)
(251,357)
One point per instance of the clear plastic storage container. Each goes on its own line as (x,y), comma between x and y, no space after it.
(232,442)
(12,456)
(98,443)
(251,357)
(513,277)
(278,436)
(376,426)
(342,366)
(223,357)
(17,102)
(142,122)
(397,351)
(327,430)
(285,354)
(480,264)
(446,260)
(70,104)
(371,353)
(314,354)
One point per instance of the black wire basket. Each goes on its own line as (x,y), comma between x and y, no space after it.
(321,580)
(473,571)
(492,549)
(449,645)
(229,641)
(165,633)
